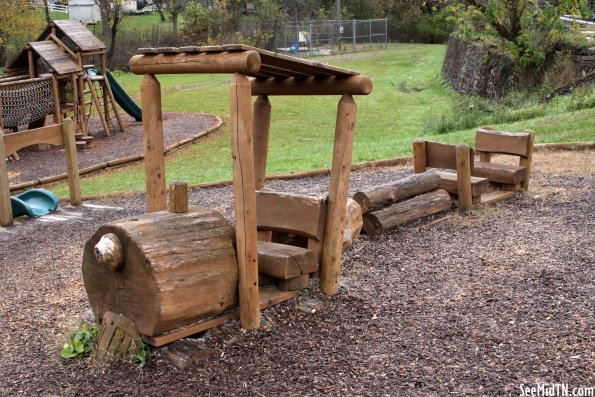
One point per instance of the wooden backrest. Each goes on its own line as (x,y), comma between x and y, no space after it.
(52,135)
(513,143)
(442,155)
(291,213)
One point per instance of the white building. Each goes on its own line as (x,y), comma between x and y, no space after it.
(84,10)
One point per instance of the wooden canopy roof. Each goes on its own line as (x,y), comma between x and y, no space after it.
(78,33)
(275,74)
(56,59)
(72,33)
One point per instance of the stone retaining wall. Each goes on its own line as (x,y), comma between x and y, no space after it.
(474,69)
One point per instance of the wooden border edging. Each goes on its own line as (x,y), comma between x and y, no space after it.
(117,162)
(564,145)
(320,171)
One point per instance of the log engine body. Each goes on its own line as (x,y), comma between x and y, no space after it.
(174,269)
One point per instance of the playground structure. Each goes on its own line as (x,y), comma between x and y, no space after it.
(56,134)
(320,222)
(53,75)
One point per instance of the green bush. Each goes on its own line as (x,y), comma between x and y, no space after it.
(436,27)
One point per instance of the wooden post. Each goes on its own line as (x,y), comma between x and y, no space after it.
(72,165)
(262,123)
(244,199)
(526,161)
(31,63)
(178,197)
(464,177)
(153,142)
(56,95)
(330,268)
(5,207)
(485,157)
(82,106)
(419,156)
(75,102)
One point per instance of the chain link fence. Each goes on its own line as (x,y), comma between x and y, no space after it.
(306,38)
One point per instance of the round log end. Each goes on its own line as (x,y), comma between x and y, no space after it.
(109,252)
(252,62)
(363,201)
(371,225)
(366,85)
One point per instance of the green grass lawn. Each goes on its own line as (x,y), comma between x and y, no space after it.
(408,93)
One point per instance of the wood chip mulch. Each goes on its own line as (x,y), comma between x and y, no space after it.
(35,164)
(463,304)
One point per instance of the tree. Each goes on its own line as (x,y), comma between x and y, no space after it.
(46,10)
(159,5)
(530,30)
(268,17)
(18,25)
(175,8)
(112,13)
(196,24)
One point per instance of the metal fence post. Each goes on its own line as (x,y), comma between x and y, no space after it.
(353,42)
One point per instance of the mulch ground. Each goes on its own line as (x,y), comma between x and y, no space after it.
(459,304)
(35,164)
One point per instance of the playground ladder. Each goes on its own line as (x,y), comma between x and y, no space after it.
(104,103)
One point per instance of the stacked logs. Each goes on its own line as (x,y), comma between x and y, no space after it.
(387,206)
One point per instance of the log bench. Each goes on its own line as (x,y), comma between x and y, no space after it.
(504,176)
(298,221)
(458,158)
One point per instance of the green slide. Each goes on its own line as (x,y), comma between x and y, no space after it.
(34,202)
(123,99)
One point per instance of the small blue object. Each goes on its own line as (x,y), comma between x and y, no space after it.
(34,202)
(293,48)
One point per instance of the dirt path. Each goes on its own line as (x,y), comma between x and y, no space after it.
(36,164)
(476,304)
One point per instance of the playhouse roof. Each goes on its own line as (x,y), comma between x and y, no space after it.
(73,33)
(82,37)
(271,64)
(56,59)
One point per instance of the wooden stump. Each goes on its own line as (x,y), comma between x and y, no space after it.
(377,222)
(380,196)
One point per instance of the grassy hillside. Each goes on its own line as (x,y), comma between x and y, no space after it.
(408,101)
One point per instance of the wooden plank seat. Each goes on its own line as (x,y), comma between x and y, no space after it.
(507,176)
(501,173)
(448,182)
(285,261)
(280,215)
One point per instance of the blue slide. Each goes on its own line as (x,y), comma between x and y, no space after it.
(34,202)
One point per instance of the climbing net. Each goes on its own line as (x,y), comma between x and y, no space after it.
(26,104)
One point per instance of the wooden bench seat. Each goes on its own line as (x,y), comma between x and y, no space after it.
(459,158)
(504,176)
(501,173)
(279,216)
(285,261)
(448,182)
